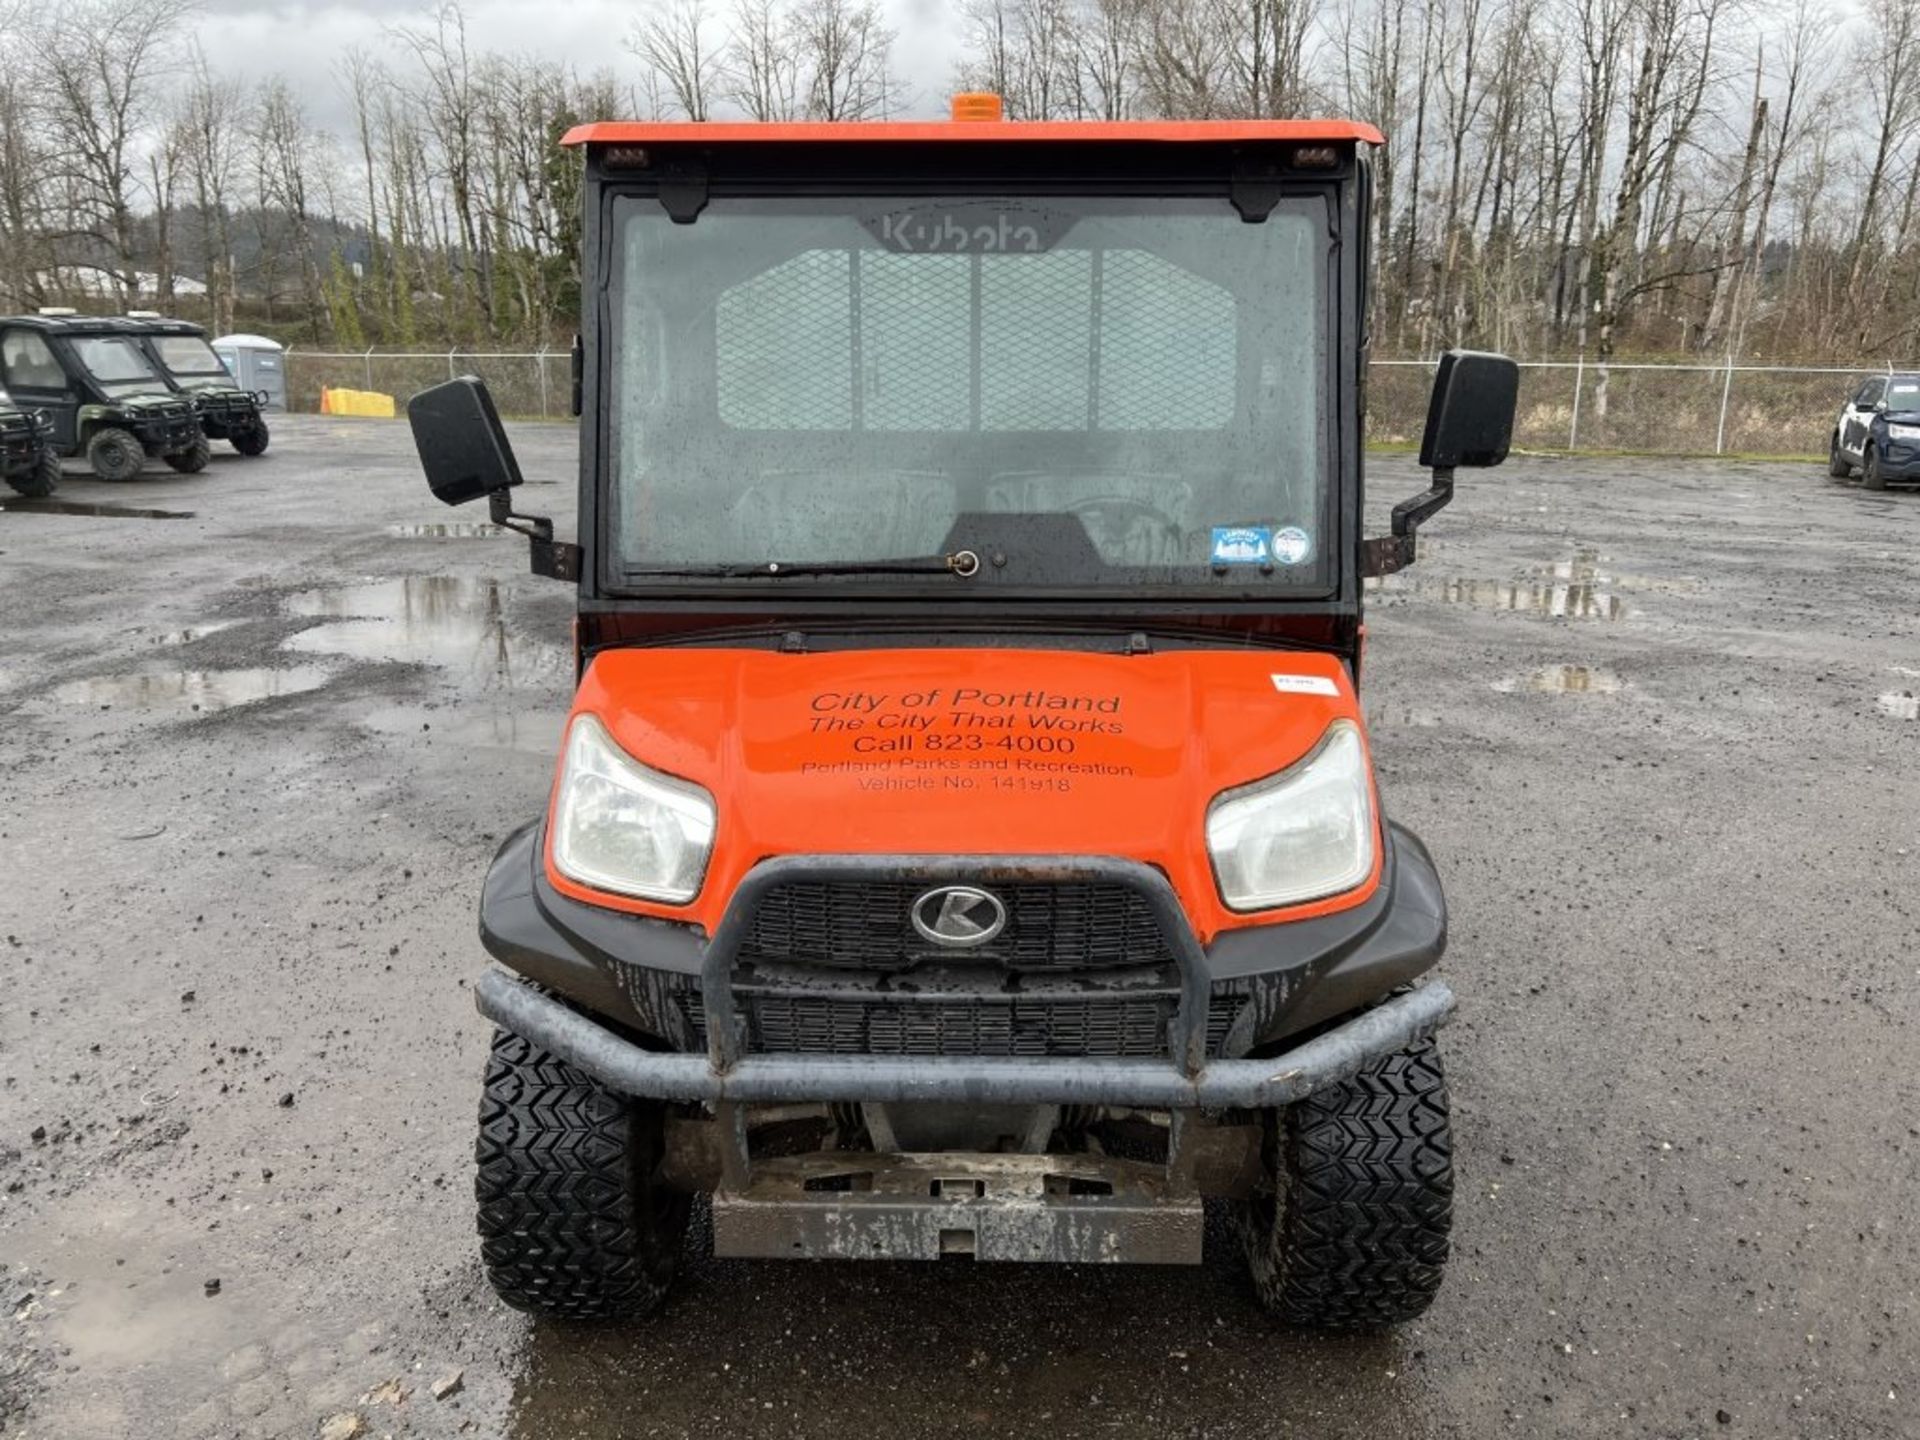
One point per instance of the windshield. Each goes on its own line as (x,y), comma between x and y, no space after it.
(115,361)
(188,355)
(1082,390)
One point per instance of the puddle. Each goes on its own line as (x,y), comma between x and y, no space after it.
(1564,602)
(471,727)
(28,506)
(455,623)
(1588,567)
(449,530)
(1901,704)
(1561,680)
(190,691)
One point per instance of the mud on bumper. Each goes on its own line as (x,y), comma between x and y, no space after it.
(676,1023)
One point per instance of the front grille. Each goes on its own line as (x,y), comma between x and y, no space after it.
(865,925)
(1102,1025)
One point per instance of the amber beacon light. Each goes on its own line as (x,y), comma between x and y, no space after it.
(976,105)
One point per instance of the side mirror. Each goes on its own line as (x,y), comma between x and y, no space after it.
(463,446)
(465,452)
(1470,417)
(1469,422)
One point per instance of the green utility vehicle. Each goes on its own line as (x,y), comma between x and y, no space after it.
(101,396)
(179,349)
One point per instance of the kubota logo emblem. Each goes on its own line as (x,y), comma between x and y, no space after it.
(959,916)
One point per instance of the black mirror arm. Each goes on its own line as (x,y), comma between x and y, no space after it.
(1397,549)
(552,558)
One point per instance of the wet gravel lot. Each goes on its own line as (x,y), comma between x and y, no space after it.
(1656,719)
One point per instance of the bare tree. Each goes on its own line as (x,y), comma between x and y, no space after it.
(98,61)
(678,46)
(1885,62)
(165,156)
(26,257)
(283,146)
(211,117)
(1266,54)
(845,51)
(761,67)
(1184,62)
(1107,44)
(1607,175)
(361,78)
(1675,43)
(449,108)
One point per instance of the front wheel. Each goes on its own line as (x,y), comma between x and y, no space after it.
(115,454)
(42,480)
(576,1219)
(193,459)
(252,440)
(1871,475)
(1348,1230)
(1838,466)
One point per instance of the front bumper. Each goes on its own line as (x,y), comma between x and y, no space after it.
(166,432)
(623,1066)
(1899,461)
(641,974)
(1077,1209)
(644,978)
(23,437)
(223,412)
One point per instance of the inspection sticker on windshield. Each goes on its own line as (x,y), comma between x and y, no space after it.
(1305,685)
(1291,545)
(1242,544)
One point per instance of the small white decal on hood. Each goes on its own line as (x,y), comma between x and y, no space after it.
(1305,685)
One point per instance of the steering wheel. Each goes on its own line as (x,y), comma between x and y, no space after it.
(1123,522)
(1138,509)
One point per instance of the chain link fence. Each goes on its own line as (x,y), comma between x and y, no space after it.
(525,386)
(1564,405)
(1723,409)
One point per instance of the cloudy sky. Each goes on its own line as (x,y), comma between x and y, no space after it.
(301,39)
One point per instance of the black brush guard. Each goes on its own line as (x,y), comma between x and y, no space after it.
(1032,1207)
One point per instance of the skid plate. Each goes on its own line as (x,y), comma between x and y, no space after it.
(991,1207)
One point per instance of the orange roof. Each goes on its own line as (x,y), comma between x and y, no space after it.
(663,132)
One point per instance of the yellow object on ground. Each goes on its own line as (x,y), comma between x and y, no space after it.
(356,402)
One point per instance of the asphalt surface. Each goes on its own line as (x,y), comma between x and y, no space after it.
(1655,719)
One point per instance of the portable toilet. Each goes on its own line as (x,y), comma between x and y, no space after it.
(256,363)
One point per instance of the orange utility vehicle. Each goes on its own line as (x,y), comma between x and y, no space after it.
(965,840)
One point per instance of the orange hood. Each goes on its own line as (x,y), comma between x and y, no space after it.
(966,752)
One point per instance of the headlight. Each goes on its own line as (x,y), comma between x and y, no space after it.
(1300,835)
(1903,432)
(619,826)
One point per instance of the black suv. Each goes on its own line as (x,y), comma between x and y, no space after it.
(180,350)
(100,393)
(27,462)
(1879,431)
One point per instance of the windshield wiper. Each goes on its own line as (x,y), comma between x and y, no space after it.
(963,563)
